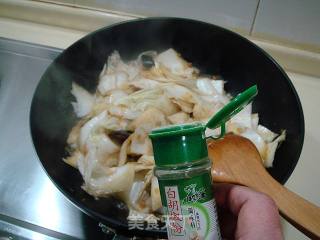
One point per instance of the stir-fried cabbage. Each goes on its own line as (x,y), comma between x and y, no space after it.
(110,145)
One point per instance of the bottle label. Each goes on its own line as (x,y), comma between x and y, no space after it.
(190,208)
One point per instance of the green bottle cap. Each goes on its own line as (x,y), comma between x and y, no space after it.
(186,143)
(178,144)
(233,107)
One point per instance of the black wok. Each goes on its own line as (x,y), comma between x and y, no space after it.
(212,49)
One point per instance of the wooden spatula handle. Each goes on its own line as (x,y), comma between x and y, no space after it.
(236,160)
(301,213)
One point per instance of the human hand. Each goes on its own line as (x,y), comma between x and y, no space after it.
(246,214)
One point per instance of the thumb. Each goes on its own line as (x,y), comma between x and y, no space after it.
(258,216)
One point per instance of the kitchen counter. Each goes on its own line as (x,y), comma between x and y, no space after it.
(304,180)
(306,176)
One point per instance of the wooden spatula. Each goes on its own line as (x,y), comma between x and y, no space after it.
(236,160)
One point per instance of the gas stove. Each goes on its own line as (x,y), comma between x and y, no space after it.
(31,207)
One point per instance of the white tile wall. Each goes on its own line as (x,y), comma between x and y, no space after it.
(289,20)
(65,1)
(236,14)
(295,23)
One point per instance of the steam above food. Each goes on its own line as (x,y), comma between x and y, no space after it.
(109,145)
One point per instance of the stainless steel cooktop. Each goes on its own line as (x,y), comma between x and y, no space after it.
(31,207)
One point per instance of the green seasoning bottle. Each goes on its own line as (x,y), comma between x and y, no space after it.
(183,171)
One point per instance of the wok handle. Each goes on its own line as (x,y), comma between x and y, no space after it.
(302,214)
